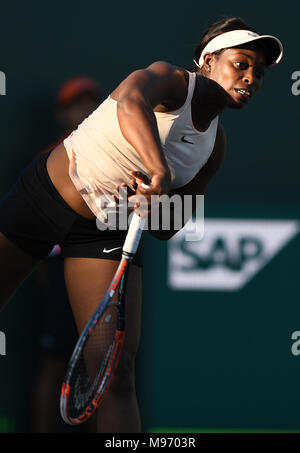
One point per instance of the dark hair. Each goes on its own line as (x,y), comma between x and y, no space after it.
(216,29)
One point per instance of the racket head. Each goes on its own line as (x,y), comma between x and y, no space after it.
(93,363)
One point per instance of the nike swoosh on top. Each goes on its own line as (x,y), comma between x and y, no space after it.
(110,250)
(186,141)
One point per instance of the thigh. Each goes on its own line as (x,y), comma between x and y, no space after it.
(15,266)
(87,280)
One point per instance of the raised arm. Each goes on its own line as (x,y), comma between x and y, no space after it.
(137,96)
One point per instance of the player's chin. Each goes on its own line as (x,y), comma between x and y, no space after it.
(238,101)
(236,104)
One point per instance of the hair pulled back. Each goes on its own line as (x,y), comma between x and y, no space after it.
(216,29)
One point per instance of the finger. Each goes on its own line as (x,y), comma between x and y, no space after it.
(115,196)
(145,191)
(134,184)
(139,201)
(123,192)
(140,176)
(145,186)
(140,209)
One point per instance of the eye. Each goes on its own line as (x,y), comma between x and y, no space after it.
(241,65)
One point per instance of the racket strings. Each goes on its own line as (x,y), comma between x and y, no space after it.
(93,362)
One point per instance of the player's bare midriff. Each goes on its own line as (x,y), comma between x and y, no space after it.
(58,169)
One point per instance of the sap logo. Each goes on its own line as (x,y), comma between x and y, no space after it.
(296,345)
(231,253)
(2,343)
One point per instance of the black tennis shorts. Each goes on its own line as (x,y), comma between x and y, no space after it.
(35,217)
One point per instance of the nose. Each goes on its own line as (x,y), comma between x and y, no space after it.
(249,77)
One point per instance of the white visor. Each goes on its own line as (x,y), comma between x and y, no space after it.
(273,47)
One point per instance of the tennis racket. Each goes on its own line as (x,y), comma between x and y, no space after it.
(96,354)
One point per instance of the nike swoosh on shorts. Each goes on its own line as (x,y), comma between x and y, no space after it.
(110,250)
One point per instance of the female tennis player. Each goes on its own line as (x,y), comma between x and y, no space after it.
(161,124)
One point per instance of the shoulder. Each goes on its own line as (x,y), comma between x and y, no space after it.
(165,69)
(161,83)
(160,72)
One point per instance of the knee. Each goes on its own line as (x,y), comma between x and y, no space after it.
(123,382)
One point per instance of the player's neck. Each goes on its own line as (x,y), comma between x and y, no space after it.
(208,101)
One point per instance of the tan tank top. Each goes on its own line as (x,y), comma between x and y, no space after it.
(101,158)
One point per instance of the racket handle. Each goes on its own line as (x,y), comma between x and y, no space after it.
(134,234)
(134,231)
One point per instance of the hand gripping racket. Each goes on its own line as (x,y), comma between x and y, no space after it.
(98,349)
